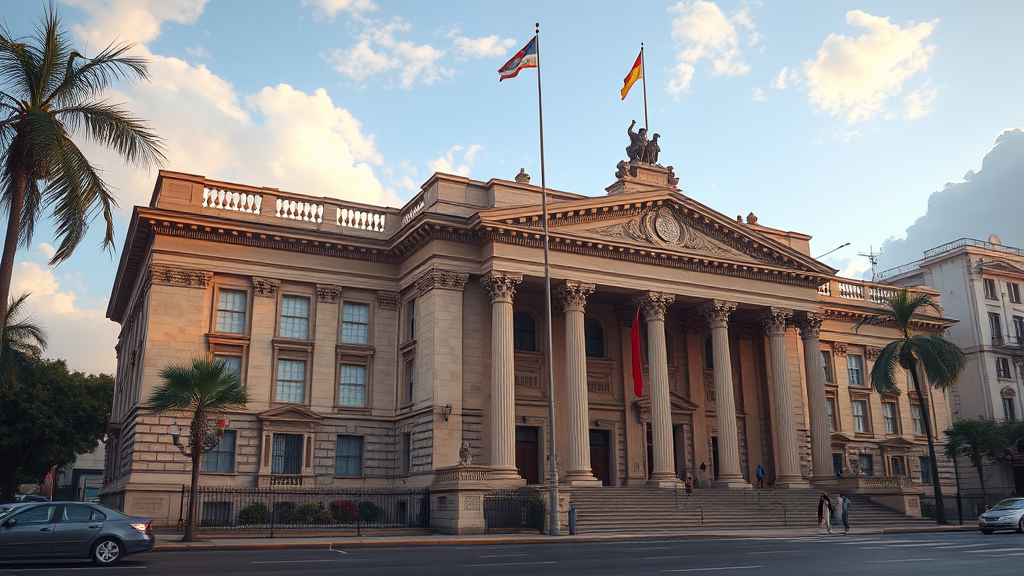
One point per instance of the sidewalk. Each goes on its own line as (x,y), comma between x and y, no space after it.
(171,541)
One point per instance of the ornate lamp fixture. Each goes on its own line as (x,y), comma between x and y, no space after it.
(210,437)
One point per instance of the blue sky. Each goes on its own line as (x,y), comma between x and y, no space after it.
(837,119)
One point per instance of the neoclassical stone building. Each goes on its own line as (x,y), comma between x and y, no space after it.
(375,342)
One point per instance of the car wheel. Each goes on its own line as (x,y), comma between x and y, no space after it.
(986,531)
(1020,526)
(107,552)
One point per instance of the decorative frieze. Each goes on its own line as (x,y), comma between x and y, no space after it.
(388,300)
(175,276)
(440,279)
(327,293)
(654,304)
(501,285)
(265,287)
(572,296)
(839,348)
(872,353)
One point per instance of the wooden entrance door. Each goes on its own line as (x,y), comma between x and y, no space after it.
(599,456)
(527,453)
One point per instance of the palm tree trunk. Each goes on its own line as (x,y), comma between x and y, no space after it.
(940,509)
(11,240)
(976,458)
(193,495)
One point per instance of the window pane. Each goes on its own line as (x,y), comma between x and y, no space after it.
(889,412)
(222,458)
(594,339)
(926,469)
(352,385)
(355,325)
(348,459)
(231,311)
(854,368)
(915,413)
(867,465)
(524,332)
(860,416)
(830,406)
(826,365)
(295,317)
(291,380)
(232,364)
(287,454)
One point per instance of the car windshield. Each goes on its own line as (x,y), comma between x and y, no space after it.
(1009,505)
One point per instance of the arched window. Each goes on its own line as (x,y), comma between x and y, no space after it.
(524,332)
(594,334)
(1009,403)
(709,357)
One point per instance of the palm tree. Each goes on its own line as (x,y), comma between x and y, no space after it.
(976,440)
(941,360)
(48,93)
(21,343)
(204,387)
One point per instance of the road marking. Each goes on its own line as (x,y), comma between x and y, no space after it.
(293,561)
(651,548)
(663,557)
(503,555)
(714,569)
(509,564)
(966,546)
(339,551)
(992,550)
(777,552)
(901,560)
(68,569)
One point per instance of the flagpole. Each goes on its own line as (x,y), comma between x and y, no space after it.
(554,529)
(643,76)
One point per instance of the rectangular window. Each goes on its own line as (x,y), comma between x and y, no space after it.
(995,326)
(221,460)
(926,469)
(231,311)
(232,364)
(915,413)
(889,414)
(352,385)
(830,406)
(1018,330)
(867,465)
(216,514)
(1009,413)
(295,318)
(355,324)
(990,289)
(291,380)
(410,378)
(1003,368)
(348,459)
(1013,291)
(826,365)
(860,416)
(897,466)
(287,454)
(410,320)
(855,369)
(406,454)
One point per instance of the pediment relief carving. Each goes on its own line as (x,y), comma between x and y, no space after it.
(664,226)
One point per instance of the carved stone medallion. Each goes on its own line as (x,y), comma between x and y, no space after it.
(666,226)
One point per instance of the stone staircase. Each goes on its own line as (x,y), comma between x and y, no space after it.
(653,510)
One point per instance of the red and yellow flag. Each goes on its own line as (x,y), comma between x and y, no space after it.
(635,74)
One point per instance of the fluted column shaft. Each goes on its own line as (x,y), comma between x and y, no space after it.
(788,461)
(821,439)
(717,313)
(572,296)
(654,305)
(503,397)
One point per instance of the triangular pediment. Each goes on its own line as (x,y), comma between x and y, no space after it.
(1000,266)
(290,413)
(666,221)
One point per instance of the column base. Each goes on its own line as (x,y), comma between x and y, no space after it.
(787,482)
(736,482)
(664,480)
(503,476)
(580,478)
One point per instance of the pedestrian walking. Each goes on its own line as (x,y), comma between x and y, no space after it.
(844,513)
(824,513)
(760,477)
(689,484)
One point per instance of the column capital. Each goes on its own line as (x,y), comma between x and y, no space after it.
(441,279)
(572,296)
(388,300)
(654,304)
(717,311)
(774,320)
(501,285)
(809,324)
(327,293)
(266,287)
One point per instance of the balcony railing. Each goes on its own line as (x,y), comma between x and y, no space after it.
(849,289)
(949,247)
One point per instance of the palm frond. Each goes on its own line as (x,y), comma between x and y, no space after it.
(887,365)
(97,74)
(112,126)
(204,385)
(22,342)
(53,49)
(942,360)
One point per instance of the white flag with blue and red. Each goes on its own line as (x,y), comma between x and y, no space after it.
(525,58)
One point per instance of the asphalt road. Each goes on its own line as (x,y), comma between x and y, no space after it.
(903,554)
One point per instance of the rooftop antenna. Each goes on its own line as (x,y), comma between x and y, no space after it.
(872,257)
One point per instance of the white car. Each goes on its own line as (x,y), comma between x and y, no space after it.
(1007,515)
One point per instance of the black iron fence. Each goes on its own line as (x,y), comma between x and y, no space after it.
(972,505)
(514,511)
(327,510)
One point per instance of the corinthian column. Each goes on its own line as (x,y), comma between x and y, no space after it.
(821,441)
(654,305)
(573,298)
(729,476)
(502,288)
(788,462)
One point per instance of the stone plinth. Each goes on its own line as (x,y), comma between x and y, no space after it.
(639,177)
(457,499)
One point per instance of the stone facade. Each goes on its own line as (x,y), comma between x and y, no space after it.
(375,342)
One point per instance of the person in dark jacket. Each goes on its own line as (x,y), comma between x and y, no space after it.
(844,513)
(760,476)
(824,513)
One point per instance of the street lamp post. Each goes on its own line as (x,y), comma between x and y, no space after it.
(201,440)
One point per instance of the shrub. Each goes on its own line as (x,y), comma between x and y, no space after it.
(284,512)
(255,513)
(343,510)
(369,512)
(323,517)
(308,511)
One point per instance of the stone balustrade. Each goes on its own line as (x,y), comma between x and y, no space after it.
(361,219)
(462,474)
(412,211)
(295,210)
(228,200)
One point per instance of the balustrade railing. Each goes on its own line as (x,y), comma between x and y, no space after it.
(850,291)
(361,219)
(412,212)
(295,210)
(879,295)
(228,200)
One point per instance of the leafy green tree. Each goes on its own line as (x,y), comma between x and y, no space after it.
(976,440)
(941,360)
(205,388)
(50,92)
(48,419)
(22,342)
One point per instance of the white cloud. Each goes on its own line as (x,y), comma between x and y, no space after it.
(83,337)
(476,48)
(379,50)
(471,152)
(703,32)
(328,9)
(447,162)
(47,249)
(131,20)
(853,77)
(779,83)
(198,52)
(919,102)
(759,95)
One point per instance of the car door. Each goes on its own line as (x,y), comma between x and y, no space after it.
(76,530)
(30,534)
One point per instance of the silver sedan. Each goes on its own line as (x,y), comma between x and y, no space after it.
(1007,515)
(52,530)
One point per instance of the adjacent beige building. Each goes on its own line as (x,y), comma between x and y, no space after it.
(375,342)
